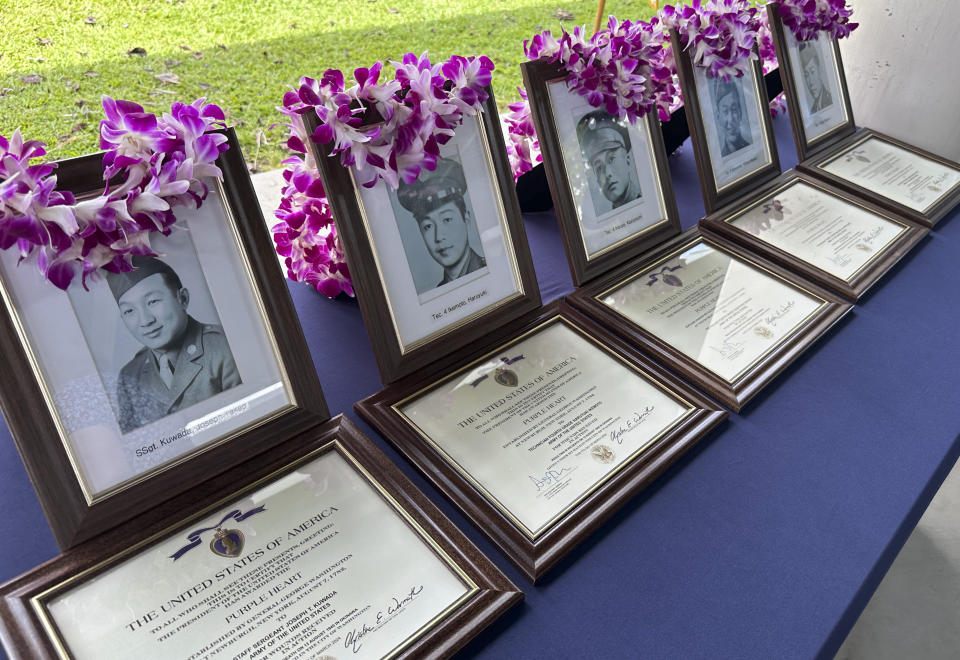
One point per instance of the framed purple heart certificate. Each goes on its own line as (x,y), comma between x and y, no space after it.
(290,564)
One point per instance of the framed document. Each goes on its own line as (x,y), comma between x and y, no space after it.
(433,277)
(909,181)
(730,129)
(728,321)
(282,556)
(104,430)
(539,436)
(835,239)
(609,179)
(912,182)
(815,87)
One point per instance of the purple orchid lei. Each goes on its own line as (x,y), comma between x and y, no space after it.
(305,236)
(523,148)
(621,68)
(808,18)
(420,107)
(720,33)
(768,60)
(151,166)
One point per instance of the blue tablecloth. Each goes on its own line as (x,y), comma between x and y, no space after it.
(767,540)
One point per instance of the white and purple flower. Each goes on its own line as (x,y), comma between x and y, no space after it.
(150,166)
(807,19)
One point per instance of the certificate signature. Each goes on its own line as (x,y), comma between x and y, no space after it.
(631,424)
(729,349)
(549,478)
(396,604)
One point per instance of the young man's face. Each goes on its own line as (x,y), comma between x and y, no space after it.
(154,314)
(730,115)
(613,168)
(444,232)
(811,77)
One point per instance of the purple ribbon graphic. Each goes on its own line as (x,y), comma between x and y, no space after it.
(505,360)
(194,536)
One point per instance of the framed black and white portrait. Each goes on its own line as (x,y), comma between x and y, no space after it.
(438,229)
(814,86)
(730,128)
(435,260)
(732,121)
(608,177)
(142,379)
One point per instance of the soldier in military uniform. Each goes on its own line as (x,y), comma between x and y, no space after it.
(810,64)
(605,145)
(728,111)
(436,201)
(182,362)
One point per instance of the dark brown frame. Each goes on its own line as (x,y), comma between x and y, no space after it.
(35,432)
(24,636)
(941,208)
(534,557)
(720,224)
(805,147)
(713,198)
(537,76)
(736,394)
(345,207)
(814,154)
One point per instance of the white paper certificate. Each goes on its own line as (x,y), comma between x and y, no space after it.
(826,231)
(894,172)
(543,421)
(720,311)
(316,563)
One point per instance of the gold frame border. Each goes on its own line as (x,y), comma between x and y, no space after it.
(816,184)
(767,134)
(821,165)
(38,601)
(551,106)
(94,498)
(505,232)
(754,266)
(641,373)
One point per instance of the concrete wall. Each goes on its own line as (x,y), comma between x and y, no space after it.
(903,71)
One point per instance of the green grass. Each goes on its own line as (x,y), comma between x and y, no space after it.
(241,54)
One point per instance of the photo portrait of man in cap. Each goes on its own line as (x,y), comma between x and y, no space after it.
(182,362)
(728,112)
(436,202)
(812,68)
(605,145)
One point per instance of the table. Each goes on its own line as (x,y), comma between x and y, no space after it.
(767,539)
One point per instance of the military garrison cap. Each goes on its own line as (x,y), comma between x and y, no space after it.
(600,131)
(143,267)
(433,188)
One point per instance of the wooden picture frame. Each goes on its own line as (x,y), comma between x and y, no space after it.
(386,277)
(737,390)
(589,251)
(839,140)
(807,144)
(58,447)
(749,96)
(536,551)
(928,217)
(28,615)
(850,287)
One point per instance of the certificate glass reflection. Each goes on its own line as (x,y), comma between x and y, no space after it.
(896,173)
(720,311)
(826,231)
(296,568)
(542,422)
